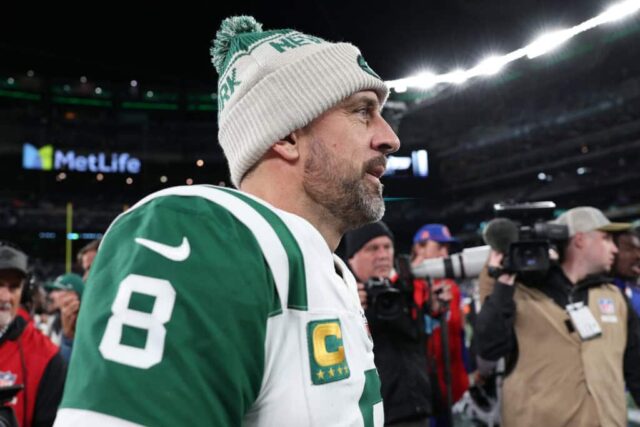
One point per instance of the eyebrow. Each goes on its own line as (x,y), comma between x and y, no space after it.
(369,100)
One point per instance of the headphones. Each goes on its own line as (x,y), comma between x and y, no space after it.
(30,284)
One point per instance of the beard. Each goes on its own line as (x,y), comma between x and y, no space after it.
(342,190)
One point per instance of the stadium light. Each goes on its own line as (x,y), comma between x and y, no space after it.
(547,42)
(424,80)
(543,44)
(400,88)
(489,66)
(456,77)
(619,11)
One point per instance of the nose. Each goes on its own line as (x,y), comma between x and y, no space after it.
(385,139)
(5,294)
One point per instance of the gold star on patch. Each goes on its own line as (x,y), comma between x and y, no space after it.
(320,374)
(346,370)
(340,371)
(331,372)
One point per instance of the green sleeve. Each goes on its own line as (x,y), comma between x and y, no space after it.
(208,367)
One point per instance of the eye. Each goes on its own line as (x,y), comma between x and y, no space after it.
(364,112)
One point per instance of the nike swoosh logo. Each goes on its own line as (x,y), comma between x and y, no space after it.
(174,253)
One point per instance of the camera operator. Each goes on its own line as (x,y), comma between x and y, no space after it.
(27,357)
(394,311)
(571,339)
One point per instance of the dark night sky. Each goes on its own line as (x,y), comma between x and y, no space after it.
(397,38)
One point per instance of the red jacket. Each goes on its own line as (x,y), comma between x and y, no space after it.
(25,356)
(459,376)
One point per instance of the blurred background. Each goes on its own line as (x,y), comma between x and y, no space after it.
(102,104)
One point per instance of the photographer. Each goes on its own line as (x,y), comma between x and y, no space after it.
(394,311)
(27,357)
(570,337)
(433,241)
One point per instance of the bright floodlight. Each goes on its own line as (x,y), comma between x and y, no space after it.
(425,80)
(620,10)
(538,47)
(547,43)
(457,77)
(400,88)
(490,66)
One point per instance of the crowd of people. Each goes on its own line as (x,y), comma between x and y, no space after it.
(206,305)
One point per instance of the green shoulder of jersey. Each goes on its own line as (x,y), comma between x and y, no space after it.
(175,311)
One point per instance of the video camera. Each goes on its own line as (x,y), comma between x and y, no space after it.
(523,234)
(7,416)
(388,301)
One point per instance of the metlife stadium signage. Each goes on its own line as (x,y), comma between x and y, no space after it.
(47,158)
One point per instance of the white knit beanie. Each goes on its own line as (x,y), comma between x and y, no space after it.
(274,82)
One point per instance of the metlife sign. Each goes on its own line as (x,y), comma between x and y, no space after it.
(47,158)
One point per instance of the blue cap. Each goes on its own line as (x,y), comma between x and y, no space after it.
(436,232)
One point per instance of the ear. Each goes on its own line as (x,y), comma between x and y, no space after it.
(579,240)
(287,148)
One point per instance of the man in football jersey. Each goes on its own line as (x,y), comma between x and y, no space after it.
(212,306)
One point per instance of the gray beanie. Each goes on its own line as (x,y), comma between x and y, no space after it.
(274,82)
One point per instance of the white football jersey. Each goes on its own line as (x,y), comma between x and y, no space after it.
(207,306)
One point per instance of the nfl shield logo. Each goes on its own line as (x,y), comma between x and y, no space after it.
(606,306)
(7,379)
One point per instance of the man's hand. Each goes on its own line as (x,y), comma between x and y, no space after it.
(495,261)
(69,306)
(362,293)
(442,295)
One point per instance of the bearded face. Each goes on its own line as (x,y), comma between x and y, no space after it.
(347,189)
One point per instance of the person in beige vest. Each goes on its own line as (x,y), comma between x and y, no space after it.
(571,340)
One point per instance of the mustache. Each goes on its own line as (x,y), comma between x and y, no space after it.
(376,161)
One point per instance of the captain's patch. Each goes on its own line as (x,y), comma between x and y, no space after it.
(327,357)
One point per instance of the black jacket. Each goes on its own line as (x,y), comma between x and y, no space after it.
(495,336)
(401,359)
